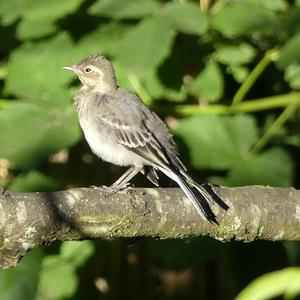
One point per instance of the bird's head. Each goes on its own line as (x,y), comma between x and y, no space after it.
(95,71)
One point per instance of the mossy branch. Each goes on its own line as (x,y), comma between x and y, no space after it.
(29,220)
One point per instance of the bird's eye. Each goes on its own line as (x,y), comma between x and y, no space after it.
(87,70)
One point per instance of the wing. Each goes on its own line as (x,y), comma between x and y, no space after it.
(137,138)
(140,130)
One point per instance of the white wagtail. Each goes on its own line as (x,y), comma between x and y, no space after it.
(122,130)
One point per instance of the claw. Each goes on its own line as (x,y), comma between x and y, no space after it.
(113,189)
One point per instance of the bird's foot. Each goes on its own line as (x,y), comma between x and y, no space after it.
(113,189)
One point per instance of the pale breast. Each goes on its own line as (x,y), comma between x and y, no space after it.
(106,148)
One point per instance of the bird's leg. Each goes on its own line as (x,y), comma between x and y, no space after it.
(122,182)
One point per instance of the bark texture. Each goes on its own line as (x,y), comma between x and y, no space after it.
(28,220)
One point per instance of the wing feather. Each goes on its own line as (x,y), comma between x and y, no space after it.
(139,140)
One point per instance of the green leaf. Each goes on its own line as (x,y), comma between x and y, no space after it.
(239,73)
(32,182)
(261,169)
(217,141)
(34,71)
(158,90)
(57,279)
(20,283)
(29,133)
(33,12)
(235,55)
(209,84)
(30,29)
(76,252)
(272,285)
(107,39)
(290,52)
(276,5)
(150,41)
(185,17)
(292,76)
(292,21)
(123,9)
(245,17)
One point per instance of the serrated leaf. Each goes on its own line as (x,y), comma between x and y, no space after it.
(186,17)
(29,133)
(289,53)
(57,279)
(235,55)
(34,11)
(123,9)
(217,142)
(272,285)
(20,283)
(146,45)
(209,84)
(261,169)
(76,252)
(107,39)
(245,17)
(32,182)
(34,71)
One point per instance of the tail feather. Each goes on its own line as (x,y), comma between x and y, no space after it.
(209,189)
(199,199)
(206,189)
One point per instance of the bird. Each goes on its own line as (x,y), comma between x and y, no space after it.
(122,130)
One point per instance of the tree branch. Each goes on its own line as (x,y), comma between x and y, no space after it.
(28,220)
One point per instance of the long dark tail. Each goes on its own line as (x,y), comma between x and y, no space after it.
(200,195)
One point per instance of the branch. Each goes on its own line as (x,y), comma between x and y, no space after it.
(28,220)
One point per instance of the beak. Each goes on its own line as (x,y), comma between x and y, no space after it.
(72,68)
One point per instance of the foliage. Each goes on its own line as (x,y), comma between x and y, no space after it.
(227,78)
(285,282)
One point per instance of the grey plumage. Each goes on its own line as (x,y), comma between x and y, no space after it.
(120,129)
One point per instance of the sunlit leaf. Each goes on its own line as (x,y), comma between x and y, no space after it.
(57,279)
(126,9)
(261,169)
(245,17)
(76,252)
(186,17)
(29,29)
(209,84)
(32,182)
(34,71)
(217,142)
(235,55)
(105,40)
(29,133)
(290,52)
(150,42)
(292,76)
(20,283)
(159,90)
(269,286)
(34,12)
